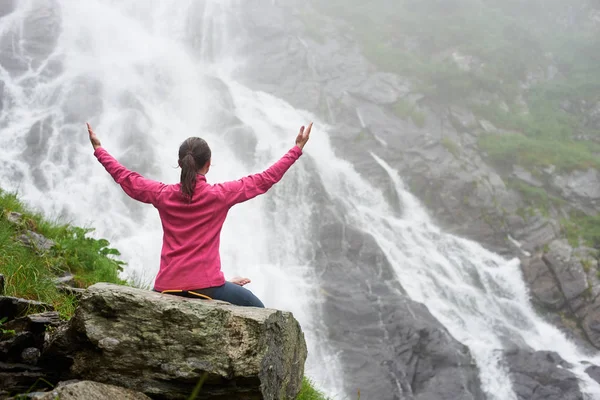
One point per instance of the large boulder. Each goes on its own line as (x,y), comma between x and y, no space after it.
(590,322)
(541,375)
(88,390)
(569,273)
(164,345)
(542,283)
(580,188)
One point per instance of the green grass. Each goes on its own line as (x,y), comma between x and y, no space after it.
(29,273)
(509,149)
(308,392)
(583,228)
(405,110)
(451,146)
(533,196)
(508,41)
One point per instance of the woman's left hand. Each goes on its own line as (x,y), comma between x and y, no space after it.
(93,138)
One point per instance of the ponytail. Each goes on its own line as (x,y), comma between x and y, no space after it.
(188,176)
(194,153)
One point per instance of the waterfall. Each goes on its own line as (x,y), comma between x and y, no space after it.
(149,74)
(478,296)
(129,71)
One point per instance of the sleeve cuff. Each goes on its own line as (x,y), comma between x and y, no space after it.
(98,151)
(297,150)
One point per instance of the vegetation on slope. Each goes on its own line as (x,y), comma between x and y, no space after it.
(532,69)
(31,273)
(308,392)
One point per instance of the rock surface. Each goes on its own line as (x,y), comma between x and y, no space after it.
(391,346)
(163,345)
(20,378)
(89,390)
(541,376)
(21,342)
(36,241)
(13,307)
(568,271)
(542,282)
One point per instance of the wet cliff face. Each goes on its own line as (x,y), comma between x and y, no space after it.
(500,144)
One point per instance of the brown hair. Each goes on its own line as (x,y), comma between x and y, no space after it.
(193,155)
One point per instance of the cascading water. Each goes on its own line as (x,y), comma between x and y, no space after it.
(125,69)
(128,68)
(480,297)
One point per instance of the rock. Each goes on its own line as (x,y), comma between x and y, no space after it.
(14,217)
(68,279)
(463,61)
(463,120)
(594,372)
(590,322)
(525,176)
(19,378)
(12,346)
(35,323)
(487,126)
(20,345)
(89,390)
(542,283)
(77,292)
(12,307)
(36,241)
(568,272)
(162,345)
(6,7)
(391,346)
(541,375)
(30,355)
(536,233)
(382,88)
(580,188)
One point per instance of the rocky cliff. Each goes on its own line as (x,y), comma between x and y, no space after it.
(165,346)
(500,145)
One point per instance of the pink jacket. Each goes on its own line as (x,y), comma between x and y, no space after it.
(191,231)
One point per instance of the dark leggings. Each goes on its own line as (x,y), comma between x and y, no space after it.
(229,292)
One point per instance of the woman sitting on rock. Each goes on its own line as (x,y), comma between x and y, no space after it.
(192,214)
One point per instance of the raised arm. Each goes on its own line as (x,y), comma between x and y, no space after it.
(132,183)
(251,186)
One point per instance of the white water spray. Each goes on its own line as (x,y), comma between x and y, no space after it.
(128,69)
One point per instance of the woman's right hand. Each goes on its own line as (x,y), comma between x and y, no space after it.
(93,138)
(303,136)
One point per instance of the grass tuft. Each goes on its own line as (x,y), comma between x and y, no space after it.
(30,273)
(308,391)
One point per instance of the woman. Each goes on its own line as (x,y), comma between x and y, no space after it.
(192,214)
